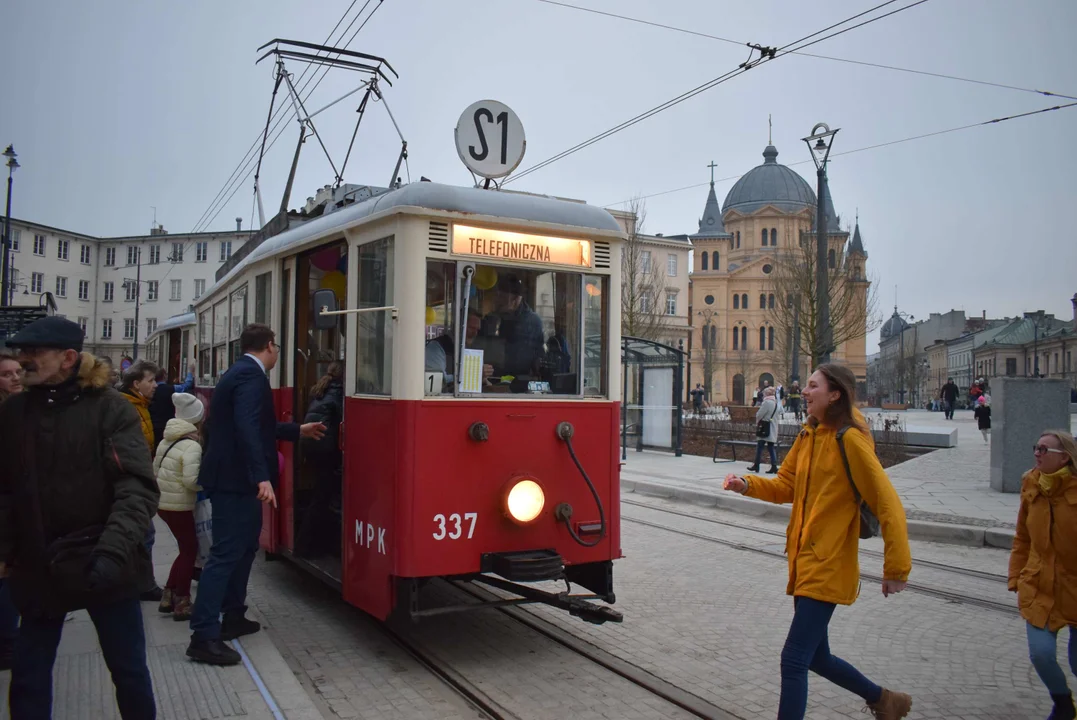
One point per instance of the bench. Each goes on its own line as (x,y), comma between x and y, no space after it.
(786,435)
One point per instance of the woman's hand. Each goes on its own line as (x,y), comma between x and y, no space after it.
(891,587)
(734,483)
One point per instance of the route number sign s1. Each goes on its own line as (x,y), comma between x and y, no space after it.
(490,139)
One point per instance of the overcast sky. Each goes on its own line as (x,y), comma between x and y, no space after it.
(115,107)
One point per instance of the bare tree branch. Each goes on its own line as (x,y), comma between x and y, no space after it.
(642,282)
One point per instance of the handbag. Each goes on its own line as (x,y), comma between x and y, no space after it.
(869,523)
(203,528)
(762,427)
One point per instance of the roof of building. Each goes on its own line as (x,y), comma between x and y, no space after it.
(711,225)
(895,325)
(1033,326)
(770,184)
(857,245)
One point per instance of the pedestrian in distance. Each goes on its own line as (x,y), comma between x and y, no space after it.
(76,496)
(949,394)
(176,465)
(766,432)
(239,472)
(10,384)
(982,414)
(793,397)
(161,408)
(828,470)
(138,386)
(10,375)
(1043,562)
(697,398)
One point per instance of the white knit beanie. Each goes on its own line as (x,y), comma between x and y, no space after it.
(188,407)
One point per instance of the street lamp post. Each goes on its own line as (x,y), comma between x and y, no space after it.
(795,369)
(819,143)
(708,347)
(5,262)
(138,296)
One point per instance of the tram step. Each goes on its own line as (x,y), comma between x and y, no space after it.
(527,566)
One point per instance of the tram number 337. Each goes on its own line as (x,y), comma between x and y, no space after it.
(453,526)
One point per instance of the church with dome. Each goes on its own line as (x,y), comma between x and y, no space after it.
(735,251)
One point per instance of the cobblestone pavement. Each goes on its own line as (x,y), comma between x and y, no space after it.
(712,619)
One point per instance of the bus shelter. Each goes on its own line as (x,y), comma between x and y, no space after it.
(652,396)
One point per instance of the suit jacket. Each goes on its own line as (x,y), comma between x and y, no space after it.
(242,432)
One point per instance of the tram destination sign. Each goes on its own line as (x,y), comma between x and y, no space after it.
(506,245)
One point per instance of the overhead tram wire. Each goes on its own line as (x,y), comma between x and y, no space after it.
(936,133)
(739,70)
(881,66)
(250,165)
(254,145)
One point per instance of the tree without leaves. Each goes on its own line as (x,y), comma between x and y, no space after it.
(642,281)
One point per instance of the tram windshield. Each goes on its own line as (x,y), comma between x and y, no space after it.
(514,330)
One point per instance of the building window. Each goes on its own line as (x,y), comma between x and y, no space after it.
(744,301)
(714,260)
(37,282)
(199,288)
(155,254)
(1056,362)
(61,287)
(736,339)
(201,250)
(736,302)
(109,289)
(770,337)
(63,247)
(762,302)
(106,329)
(671,304)
(774,237)
(714,336)
(110,256)
(1011,367)
(645,260)
(39,245)
(830,258)
(226,252)
(764,237)
(177,253)
(645,302)
(82,324)
(84,254)
(762,338)
(152,288)
(709,299)
(738,238)
(176,289)
(1069,361)
(16,239)
(770,301)
(151,325)
(703,259)
(84,289)
(130,291)
(133,254)
(128,328)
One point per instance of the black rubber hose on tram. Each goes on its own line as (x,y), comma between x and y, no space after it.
(564,510)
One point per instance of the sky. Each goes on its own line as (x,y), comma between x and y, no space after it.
(116,108)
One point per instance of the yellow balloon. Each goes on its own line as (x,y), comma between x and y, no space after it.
(337,282)
(485,277)
(429,316)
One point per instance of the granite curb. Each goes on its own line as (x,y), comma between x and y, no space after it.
(951,533)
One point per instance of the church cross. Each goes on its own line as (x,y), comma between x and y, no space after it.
(712,166)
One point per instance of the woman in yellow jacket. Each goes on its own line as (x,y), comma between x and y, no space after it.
(1043,564)
(823,535)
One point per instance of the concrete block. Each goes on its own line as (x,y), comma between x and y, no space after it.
(946,533)
(998,538)
(940,438)
(1021,409)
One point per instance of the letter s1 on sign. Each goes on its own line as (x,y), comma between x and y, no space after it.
(490,139)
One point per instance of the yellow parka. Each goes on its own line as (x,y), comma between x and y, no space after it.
(142,405)
(1043,563)
(822,540)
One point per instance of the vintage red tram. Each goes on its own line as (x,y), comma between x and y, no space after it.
(478,330)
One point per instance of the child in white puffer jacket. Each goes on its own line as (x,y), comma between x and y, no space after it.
(176,467)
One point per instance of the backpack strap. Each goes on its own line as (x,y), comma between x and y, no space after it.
(174,442)
(845,462)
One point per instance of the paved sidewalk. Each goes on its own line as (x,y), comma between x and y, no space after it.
(185,690)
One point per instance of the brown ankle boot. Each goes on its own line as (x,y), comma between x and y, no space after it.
(181,608)
(891,706)
(166,602)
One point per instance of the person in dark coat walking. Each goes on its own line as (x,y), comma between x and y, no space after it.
(983,417)
(161,408)
(238,473)
(949,397)
(319,532)
(77,493)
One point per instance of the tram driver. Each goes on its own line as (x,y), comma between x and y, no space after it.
(521,329)
(440,355)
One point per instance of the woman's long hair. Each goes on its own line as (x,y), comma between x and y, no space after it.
(1069,445)
(839,413)
(334,373)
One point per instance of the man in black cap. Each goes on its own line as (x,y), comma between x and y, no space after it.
(521,328)
(77,494)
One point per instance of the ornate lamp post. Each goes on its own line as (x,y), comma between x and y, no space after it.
(819,143)
(708,348)
(5,262)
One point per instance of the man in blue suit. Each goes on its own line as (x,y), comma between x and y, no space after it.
(238,473)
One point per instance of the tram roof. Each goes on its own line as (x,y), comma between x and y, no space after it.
(176,321)
(465,201)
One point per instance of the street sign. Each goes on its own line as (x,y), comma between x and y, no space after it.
(490,139)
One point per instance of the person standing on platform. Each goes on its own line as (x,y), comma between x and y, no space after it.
(161,408)
(10,384)
(766,418)
(1043,562)
(239,472)
(76,496)
(832,455)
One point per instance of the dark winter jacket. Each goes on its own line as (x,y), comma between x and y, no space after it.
(328,410)
(76,485)
(949,392)
(983,417)
(161,408)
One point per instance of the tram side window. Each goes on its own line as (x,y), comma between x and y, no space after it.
(220,338)
(262,298)
(238,301)
(205,362)
(374,339)
(595,337)
(439,366)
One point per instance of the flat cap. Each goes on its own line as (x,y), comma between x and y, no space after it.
(49,332)
(511,285)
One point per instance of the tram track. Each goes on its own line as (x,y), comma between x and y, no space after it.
(940,593)
(956,569)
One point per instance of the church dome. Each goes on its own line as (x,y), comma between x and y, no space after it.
(894,326)
(770,184)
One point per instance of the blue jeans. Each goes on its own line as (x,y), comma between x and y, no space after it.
(807,648)
(1043,650)
(9,616)
(123,643)
(759,453)
(237,523)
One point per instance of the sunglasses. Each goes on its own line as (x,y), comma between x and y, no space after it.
(1043,449)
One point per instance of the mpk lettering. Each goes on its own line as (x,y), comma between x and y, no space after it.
(368,535)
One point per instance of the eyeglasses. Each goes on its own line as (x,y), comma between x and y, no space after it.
(1043,449)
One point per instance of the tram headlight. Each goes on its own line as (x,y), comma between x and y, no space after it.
(525,500)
